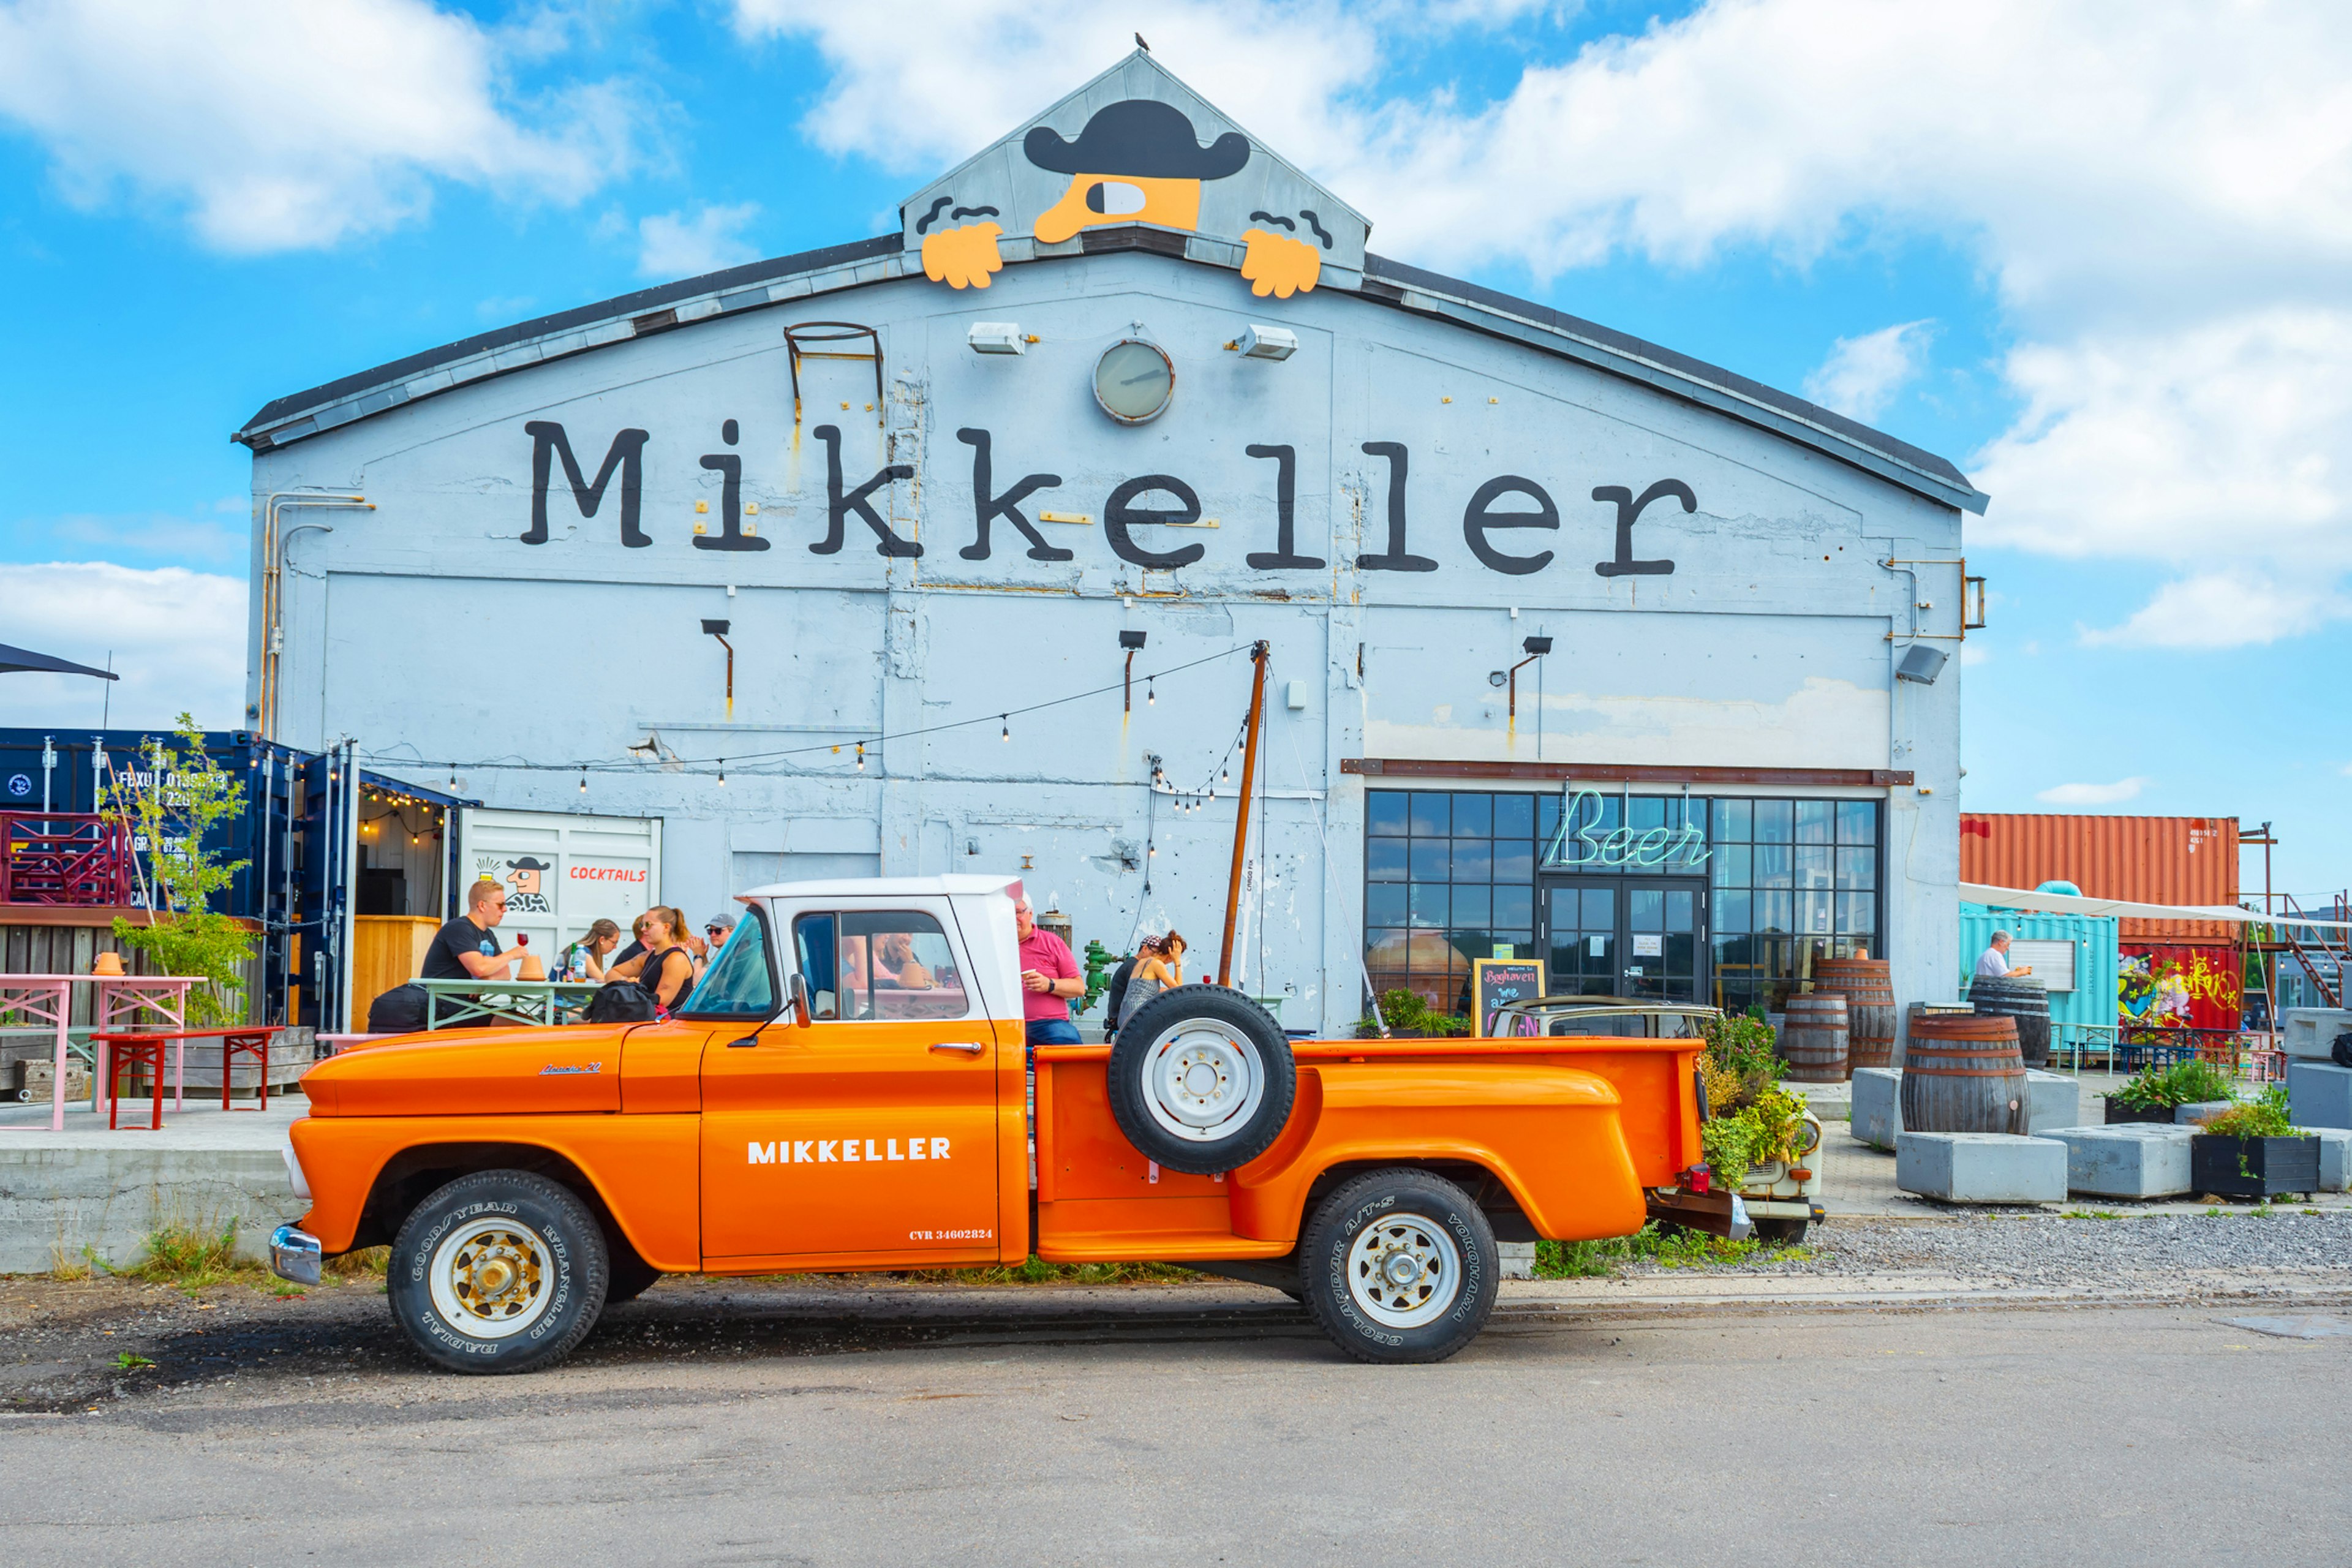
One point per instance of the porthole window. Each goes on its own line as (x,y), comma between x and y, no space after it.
(1133,381)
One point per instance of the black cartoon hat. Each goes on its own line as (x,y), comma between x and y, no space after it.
(1140,138)
(529,863)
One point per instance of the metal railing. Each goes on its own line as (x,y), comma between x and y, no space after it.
(63,857)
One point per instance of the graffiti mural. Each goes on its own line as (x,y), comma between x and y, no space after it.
(2178,988)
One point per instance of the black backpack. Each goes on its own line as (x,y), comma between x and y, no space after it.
(1118,979)
(399,1011)
(620,1002)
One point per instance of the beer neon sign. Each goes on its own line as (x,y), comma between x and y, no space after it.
(1578,844)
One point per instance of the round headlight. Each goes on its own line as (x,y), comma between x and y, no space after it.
(1133,381)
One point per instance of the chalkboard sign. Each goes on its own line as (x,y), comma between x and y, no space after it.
(1495,980)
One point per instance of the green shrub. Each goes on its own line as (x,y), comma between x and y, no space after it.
(2263,1118)
(2190,1082)
(1405,1011)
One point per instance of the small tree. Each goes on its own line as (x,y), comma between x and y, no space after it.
(167,811)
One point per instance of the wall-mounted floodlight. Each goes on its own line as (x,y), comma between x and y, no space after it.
(1268,342)
(996,338)
(1921,663)
(1133,643)
(1535,649)
(718,629)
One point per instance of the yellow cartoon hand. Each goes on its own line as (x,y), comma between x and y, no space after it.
(961,258)
(1277,265)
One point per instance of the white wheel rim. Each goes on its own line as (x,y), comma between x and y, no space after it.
(1405,1271)
(491,1279)
(1202,1081)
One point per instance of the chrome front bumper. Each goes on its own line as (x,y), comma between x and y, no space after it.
(295,1255)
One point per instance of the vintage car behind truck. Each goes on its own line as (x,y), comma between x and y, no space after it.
(847,1089)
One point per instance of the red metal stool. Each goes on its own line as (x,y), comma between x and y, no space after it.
(126,1050)
(253,1043)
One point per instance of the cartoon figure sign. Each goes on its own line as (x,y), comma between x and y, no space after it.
(1139,159)
(527,897)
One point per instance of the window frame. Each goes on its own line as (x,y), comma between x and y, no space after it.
(944,928)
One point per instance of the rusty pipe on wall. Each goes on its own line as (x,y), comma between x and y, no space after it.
(1241,815)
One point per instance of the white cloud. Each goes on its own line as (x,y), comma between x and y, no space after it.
(2164,211)
(177,638)
(2094,794)
(2226,609)
(1862,374)
(1974,654)
(278,127)
(672,246)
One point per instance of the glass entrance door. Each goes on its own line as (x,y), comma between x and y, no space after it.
(1636,937)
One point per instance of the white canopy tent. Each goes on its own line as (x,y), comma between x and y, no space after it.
(2073,904)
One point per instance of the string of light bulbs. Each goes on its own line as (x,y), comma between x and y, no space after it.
(672,762)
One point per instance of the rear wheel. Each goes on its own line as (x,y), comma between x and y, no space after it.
(499,1271)
(1780,1232)
(1201,1080)
(1399,1265)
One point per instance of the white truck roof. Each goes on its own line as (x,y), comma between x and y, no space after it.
(885,887)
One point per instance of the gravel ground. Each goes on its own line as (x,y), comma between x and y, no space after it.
(2042,1250)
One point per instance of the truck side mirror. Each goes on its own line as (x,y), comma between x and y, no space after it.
(796,998)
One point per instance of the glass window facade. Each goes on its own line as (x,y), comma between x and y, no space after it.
(1455,875)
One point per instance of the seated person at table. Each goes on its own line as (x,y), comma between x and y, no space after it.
(584,959)
(895,963)
(666,968)
(468,947)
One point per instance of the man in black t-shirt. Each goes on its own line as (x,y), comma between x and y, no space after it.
(467,948)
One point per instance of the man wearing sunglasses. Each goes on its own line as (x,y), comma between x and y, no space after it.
(468,947)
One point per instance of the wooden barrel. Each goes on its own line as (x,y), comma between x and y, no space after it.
(2027,1002)
(1962,1073)
(1812,1040)
(1870,1015)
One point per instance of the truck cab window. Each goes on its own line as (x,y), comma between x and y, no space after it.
(892,965)
(738,982)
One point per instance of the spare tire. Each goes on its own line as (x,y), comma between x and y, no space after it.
(1201,1080)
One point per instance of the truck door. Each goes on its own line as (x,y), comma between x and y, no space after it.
(869,1136)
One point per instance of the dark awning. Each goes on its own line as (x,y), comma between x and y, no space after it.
(24,659)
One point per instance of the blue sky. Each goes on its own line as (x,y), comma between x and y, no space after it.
(2106,275)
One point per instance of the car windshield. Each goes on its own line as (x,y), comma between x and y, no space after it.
(738,984)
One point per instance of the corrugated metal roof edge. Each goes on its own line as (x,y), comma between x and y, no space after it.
(1619,353)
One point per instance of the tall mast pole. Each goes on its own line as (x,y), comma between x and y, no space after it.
(1241,815)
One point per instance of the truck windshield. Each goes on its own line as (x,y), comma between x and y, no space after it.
(737,983)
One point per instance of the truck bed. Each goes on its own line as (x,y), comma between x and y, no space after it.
(1571,1129)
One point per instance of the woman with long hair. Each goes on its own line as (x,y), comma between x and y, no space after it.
(1159,965)
(666,969)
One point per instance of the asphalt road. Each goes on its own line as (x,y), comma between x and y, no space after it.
(1203,1425)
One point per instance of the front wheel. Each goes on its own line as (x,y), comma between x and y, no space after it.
(499,1271)
(1400,1266)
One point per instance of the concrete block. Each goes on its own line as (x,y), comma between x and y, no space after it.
(2320,1094)
(1981,1167)
(2198,1114)
(2310,1032)
(2128,1160)
(54,1202)
(2052,1099)
(2335,1159)
(1878,1105)
(1517,1259)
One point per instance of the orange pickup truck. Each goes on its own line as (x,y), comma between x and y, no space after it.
(847,1089)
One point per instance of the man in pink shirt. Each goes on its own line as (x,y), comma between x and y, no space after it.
(1049,974)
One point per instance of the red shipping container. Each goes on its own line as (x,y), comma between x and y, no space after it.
(2141,859)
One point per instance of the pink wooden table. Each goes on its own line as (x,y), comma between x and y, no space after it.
(123,1002)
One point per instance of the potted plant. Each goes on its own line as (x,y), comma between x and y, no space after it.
(2254,1151)
(2155,1093)
(1410,1019)
(1757,1136)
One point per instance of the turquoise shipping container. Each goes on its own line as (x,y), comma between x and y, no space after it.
(2076,955)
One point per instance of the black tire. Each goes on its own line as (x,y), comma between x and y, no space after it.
(1780,1232)
(1223,1121)
(542,1300)
(1417,1216)
(627,1275)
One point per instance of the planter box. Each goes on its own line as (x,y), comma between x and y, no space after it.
(2253,1167)
(2117,1112)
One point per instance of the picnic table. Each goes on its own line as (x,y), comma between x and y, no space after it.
(457,1003)
(122,1002)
